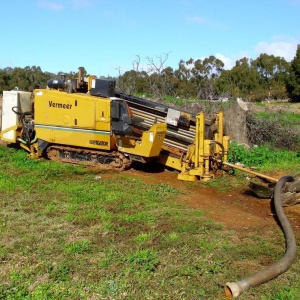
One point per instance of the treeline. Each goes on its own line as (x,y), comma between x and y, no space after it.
(22,78)
(266,77)
(26,79)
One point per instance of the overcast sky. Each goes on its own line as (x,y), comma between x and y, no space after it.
(106,36)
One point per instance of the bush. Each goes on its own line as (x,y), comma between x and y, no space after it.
(272,131)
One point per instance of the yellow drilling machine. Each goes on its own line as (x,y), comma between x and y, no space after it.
(84,120)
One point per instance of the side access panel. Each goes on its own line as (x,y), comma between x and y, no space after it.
(73,119)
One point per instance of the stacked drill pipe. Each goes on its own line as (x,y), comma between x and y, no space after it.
(147,112)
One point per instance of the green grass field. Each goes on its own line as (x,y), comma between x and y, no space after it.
(66,234)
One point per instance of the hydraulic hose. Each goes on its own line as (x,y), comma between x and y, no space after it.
(26,143)
(234,289)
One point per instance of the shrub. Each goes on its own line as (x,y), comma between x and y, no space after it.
(273,131)
(259,155)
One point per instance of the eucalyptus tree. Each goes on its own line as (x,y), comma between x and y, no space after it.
(272,74)
(5,78)
(197,77)
(183,75)
(293,82)
(240,81)
(205,72)
(126,83)
(23,78)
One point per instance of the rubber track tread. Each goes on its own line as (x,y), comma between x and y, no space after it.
(109,160)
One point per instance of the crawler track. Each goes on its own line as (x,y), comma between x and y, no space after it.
(94,158)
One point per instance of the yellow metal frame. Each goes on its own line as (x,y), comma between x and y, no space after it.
(15,129)
(150,144)
(83,121)
(195,164)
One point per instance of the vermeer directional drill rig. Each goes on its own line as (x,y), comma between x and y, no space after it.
(86,121)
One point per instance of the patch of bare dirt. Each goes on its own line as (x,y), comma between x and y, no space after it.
(236,209)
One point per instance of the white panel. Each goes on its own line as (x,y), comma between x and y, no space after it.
(172,117)
(9,118)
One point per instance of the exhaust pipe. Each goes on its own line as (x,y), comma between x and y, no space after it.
(80,72)
(234,289)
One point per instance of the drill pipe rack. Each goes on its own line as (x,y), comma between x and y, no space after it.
(193,143)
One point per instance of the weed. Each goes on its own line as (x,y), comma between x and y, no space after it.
(59,273)
(207,245)
(173,236)
(287,294)
(78,247)
(145,237)
(3,253)
(262,156)
(144,259)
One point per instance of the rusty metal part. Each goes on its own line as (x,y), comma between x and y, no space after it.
(94,158)
(174,150)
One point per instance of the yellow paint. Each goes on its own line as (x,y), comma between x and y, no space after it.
(150,144)
(81,120)
(195,164)
(15,129)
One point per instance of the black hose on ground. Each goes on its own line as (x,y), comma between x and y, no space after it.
(234,289)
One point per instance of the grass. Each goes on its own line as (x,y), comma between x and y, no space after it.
(265,158)
(264,161)
(286,118)
(67,235)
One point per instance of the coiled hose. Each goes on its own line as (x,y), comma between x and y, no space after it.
(234,289)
